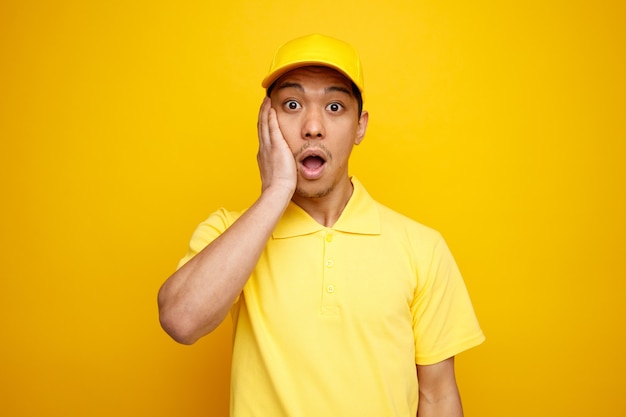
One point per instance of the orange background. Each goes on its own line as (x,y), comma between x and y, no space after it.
(124,124)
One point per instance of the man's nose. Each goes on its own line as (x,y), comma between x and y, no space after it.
(313,127)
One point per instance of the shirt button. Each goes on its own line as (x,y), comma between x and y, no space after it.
(330,289)
(330,263)
(329,238)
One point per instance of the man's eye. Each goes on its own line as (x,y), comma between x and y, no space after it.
(334,107)
(292,105)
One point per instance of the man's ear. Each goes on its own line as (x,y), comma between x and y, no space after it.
(362,127)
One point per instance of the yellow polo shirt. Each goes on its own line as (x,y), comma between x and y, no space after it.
(334,319)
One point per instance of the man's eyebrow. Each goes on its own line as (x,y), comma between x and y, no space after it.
(288,84)
(332,88)
(338,89)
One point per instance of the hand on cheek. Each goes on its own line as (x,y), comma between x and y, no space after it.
(276,162)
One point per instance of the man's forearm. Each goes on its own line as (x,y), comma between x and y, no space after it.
(197,297)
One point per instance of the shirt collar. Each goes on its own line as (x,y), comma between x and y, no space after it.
(360,216)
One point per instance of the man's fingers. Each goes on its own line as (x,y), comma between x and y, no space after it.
(276,136)
(263,122)
(269,130)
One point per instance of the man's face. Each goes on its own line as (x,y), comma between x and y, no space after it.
(318,116)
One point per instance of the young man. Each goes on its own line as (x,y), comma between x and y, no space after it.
(341,306)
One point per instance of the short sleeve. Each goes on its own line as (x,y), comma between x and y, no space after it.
(207,231)
(444,322)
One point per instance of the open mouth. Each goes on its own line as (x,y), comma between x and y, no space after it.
(312,165)
(313,162)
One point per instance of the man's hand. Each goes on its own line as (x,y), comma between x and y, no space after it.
(199,295)
(277,165)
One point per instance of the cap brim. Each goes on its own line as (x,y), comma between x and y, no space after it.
(279,72)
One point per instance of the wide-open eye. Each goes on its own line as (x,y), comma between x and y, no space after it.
(292,105)
(334,107)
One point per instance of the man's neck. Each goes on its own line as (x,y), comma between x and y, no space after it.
(327,210)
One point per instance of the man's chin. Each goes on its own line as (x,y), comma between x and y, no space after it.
(313,192)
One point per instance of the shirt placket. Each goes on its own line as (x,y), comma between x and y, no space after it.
(330,284)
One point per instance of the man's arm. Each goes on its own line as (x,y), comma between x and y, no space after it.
(438,391)
(195,299)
